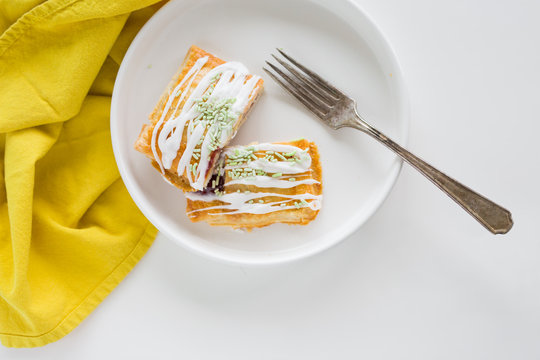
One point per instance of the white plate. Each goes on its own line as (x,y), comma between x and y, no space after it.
(334,38)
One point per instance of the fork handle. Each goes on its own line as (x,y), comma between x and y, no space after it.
(493,217)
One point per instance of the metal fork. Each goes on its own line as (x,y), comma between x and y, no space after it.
(337,110)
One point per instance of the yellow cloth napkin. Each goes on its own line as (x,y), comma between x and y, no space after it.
(69,232)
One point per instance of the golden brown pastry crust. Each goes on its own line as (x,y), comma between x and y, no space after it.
(300,216)
(143,143)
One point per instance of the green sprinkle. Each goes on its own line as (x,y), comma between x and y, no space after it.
(261,201)
(281,156)
(304,202)
(247,192)
(250,202)
(282,204)
(195,169)
(277,175)
(292,153)
(292,179)
(238,190)
(297,204)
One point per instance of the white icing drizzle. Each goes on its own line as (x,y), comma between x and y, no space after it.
(264,181)
(248,202)
(230,83)
(190,75)
(238,202)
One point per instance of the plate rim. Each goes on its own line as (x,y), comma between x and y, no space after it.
(301,252)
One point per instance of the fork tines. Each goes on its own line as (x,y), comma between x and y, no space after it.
(317,94)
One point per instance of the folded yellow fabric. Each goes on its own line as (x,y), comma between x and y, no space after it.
(69,232)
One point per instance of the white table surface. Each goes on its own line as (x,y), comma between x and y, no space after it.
(421,279)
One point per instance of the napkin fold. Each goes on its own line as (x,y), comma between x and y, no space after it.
(69,231)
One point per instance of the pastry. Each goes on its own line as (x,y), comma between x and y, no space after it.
(261,184)
(197,115)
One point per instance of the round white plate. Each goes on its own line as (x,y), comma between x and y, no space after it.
(336,39)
